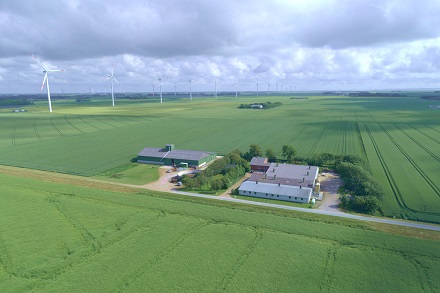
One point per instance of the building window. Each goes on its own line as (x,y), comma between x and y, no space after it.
(301,198)
(290,197)
(296,197)
(271,195)
(255,192)
(266,194)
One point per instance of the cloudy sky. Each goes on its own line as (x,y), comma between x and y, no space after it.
(298,45)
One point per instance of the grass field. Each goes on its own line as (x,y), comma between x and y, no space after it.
(61,234)
(399,136)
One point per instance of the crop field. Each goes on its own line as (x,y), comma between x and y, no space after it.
(399,136)
(65,237)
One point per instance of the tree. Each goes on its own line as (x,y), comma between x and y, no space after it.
(217,184)
(271,155)
(289,152)
(254,151)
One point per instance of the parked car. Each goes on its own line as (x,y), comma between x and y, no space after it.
(179,183)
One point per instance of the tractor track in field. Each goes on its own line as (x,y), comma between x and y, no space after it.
(427,135)
(394,187)
(75,127)
(387,172)
(414,164)
(13,136)
(240,261)
(56,128)
(344,138)
(118,121)
(329,270)
(103,122)
(320,135)
(422,275)
(419,144)
(130,279)
(36,132)
(88,123)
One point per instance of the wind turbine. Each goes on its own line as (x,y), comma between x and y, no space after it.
(216,81)
(236,88)
(175,88)
(111,77)
(46,80)
(153,89)
(257,88)
(190,89)
(159,78)
(268,88)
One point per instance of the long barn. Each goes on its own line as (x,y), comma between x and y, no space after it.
(170,156)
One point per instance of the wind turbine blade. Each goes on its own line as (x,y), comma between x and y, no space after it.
(39,62)
(56,70)
(116,80)
(44,81)
(158,76)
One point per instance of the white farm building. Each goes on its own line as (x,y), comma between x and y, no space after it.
(288,182)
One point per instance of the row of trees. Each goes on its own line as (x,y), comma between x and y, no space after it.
(365,192)
(288,152)
(15,102)
(267,105)
(221,174)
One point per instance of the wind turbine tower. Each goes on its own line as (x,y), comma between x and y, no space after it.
(46,81)
(153,89)
(236,88)
(216,81)
(257,88)
(190,89)
(159,78)
(111,77)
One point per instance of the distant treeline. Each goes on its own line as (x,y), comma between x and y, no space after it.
(430,97)
(15,102)
(267,105)
(368,94)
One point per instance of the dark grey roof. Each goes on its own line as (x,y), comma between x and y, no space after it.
(290,171)
(174,154)
(286,190)
(259,161)
(264,178)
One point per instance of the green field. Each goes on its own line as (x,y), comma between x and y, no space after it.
(59,237)
(399,137)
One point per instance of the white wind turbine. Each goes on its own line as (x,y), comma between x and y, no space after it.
(190,89)
(153,89)
(46,80)
(111,77)
(216,81)
(257,88)
(237,86)
(159,78)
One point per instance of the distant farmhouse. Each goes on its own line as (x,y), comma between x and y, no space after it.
(170,156)
(296,183)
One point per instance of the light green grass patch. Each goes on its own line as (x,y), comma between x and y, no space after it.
(132,173)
